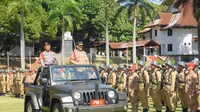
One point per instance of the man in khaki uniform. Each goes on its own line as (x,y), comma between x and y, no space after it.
(143,85)
(103,73)
(121,81)
(133,88)
(155,86)
(11,82)
(169,86)
(197,72)
(181,85)
(190,87)
(79,56)
(111,77)
(2,83)
(7,82)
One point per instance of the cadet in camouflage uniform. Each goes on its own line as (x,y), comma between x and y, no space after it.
(143,85)
(133,84)
(169,86)
(155,88)
(190,87)
(181,85)
(121,80)
(197,72)
(8,82)
(2,83)
(111,81)
(103,73)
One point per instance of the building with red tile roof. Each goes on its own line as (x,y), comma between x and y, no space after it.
(175,31)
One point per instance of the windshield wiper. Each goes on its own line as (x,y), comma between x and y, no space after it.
(92,79)
(74,80)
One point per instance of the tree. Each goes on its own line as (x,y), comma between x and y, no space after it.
(132,7)
(62,14)
(24,7)
(196,10)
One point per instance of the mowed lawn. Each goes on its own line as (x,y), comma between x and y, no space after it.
(11,104)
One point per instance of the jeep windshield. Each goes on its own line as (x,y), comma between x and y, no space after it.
(74,73)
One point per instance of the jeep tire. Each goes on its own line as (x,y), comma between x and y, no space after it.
(29,106)
(57,108)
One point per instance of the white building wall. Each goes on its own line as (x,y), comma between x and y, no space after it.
(181,40)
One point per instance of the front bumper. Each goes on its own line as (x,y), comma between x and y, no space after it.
(105,108)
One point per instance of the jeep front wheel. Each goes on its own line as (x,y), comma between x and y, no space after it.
(29,106)
(57,108)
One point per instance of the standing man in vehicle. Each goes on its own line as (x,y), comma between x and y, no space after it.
(48,57)
(79,56)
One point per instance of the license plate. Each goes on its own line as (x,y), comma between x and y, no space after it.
(97,102)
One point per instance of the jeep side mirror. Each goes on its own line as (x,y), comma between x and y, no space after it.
(43,81)
(103,79)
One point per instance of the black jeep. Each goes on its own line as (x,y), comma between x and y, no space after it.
(73,88)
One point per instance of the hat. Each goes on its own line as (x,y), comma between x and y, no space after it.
(190,64)
(46,43)
(121,66)
(180,63)
(110,66)
(141,63)
(169,63)
(80,43)
(102,66)
(196,62)
(155,63)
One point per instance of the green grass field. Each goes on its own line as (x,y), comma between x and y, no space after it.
(11,104)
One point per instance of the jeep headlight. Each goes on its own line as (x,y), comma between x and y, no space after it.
(111,94)
(77,95)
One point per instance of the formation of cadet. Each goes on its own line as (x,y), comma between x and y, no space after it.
(12,82)
(165,83)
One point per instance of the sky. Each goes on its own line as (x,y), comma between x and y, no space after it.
(157,1)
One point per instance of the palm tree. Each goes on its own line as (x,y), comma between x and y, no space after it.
(196,11)
(24,7)
(62,14)
(107,5)
(133,6)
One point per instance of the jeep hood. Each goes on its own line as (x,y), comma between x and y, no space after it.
(79,87)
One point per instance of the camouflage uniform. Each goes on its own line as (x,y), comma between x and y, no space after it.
(2,83)
(155,87)
(143,86)
(190,88)
(111,77)
(8,82)
(121,80)
(181,85)
(169,87)
(133,85)
(103,73)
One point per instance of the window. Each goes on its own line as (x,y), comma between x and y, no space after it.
(155,33)
(170,32)
(144,37)
(170,47)
(185,44)
(188,43)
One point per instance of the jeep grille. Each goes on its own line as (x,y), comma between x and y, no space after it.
(87,96)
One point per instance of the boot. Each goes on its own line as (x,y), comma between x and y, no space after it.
(185,110)
(145,110)
(167,109)
(198,110)
(158,111)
